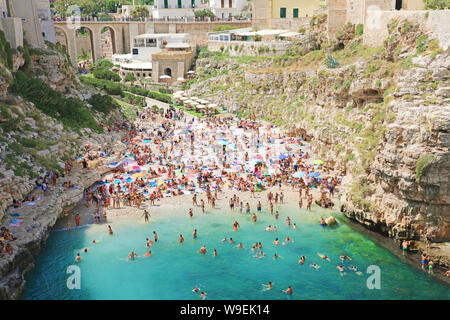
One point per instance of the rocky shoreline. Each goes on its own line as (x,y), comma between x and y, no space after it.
(39,219)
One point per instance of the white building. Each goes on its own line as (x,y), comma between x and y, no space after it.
(224,9)
(144,46)
(125,10)
(175,8)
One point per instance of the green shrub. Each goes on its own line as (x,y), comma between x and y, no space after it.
(6,56)
(104,64)
(101,73)
(421,163)
(103,103)
(359,30)
(129,77)
(70,111)
(436,4)
(331,62)
(421,43)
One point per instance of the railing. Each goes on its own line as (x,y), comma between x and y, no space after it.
(165,19)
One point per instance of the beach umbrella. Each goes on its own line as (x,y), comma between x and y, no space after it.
(138,175)
(299,174)
(282,156)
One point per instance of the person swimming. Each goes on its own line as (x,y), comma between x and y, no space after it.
(267,286)
(85,249)
(315,266)
(322,256)
(276,242)
(302,260)
(196,289)
(180,239)
(203,295)
(202,250)
(288,290)
(236,225)
(344,257)
(215,253)
(240,245)
(269,228)
(110,232)
(78,258)
(231,240)
(322,222)
(341,269)
(148,254)
(132,255)
(224,240)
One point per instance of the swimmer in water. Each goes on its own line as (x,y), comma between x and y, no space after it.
(132,255)
(260,254)
(267,286)
(94,242)
(215,253)
(78,258)
(323,256)
(180,239)
(275,256)
(196,289)
(148,254)
(322,222)
(354,268)
(224,240)
(110,232)
(340,268)
(301,260)
(274,228)
(190,213)
(149,242)
(276,242)
(315,266)
(269,228)
(231,240)
(203,295)
(288,290)
(240,245)
(288,239)
(85,249)
(202,250)
(195,234)
(294,226)
(236,225)
(345,258)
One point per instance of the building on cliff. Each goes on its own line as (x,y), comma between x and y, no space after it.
(227,9)
(160,57)
(283,14)
(31,16)
(341,12)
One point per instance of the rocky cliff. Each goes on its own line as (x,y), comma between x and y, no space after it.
(379,116)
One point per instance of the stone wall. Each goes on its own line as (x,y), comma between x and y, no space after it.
(436,22)
(246,48)
(337,16)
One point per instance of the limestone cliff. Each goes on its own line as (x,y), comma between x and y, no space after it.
(379,116)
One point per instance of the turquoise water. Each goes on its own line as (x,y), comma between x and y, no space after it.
(173,270)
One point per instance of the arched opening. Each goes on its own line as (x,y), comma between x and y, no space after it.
(85,45)
(398,4)
(61,37)
(108,40)
(168,72)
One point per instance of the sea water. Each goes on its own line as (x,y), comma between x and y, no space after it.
(173,270)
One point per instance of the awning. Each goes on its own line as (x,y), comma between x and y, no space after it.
(177,45)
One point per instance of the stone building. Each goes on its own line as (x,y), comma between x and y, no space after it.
(31,16)
(224,9)
(355,11)
(283,14)
(175,8)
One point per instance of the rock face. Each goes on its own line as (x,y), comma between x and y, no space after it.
(383,125)
(36,226)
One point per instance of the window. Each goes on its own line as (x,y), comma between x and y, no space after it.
(135,51)
(352,6)
(282,12)
(166,4)
(193,3)
(230,3)
(295,13)
(222,3)
(179,3)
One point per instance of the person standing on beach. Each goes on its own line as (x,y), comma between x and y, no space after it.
(77,219)
(404,247)
(146,214)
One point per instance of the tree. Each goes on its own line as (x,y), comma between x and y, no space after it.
(129,77)
(204,13)
(140,12)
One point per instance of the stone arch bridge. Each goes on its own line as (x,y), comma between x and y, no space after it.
(123,32)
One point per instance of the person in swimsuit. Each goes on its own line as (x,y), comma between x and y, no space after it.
(288,290)
(155,236)
(404,247)
(132,255)
(110,232)
(430,267)
(301,260)
(276,242)
(190,213)
(180,239)
(195,234)
(148,254)
(236,225)
(202,250)
(215,253)
(78,258)
(268,285)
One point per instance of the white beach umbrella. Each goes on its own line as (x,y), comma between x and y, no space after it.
(165,77)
